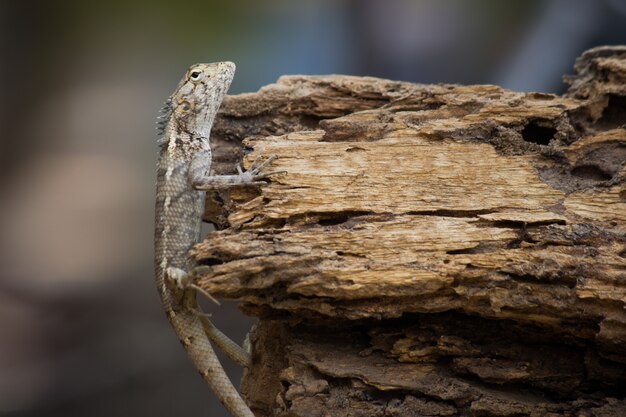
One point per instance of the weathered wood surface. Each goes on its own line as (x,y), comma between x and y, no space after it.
(433,250)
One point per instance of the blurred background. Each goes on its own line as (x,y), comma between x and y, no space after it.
(81,328)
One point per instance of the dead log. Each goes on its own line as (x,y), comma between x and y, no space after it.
(433,250)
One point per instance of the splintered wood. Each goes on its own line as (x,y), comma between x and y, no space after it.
(431,250)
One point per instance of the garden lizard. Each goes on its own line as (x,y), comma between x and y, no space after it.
(182,179)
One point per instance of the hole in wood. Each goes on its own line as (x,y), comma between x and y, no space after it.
(535,133)
(591,172)
(614,114)
(340,218)
(211,262)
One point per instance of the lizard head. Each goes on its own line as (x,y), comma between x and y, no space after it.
(195,101)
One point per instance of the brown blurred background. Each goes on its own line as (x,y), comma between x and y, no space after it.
(81,328)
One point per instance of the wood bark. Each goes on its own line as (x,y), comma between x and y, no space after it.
(432,250)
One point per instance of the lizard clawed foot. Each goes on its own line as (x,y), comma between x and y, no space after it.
(194,274)
(254,174)
(205,293)
(184,281)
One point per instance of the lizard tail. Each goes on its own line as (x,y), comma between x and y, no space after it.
(204,358)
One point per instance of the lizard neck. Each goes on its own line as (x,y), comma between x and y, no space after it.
(181,143)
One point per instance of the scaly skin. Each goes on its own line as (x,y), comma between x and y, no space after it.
(183,167)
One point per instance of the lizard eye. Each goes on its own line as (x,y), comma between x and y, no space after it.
(185,106)
(195,75)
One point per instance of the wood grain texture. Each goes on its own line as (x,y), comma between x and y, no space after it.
(433,249)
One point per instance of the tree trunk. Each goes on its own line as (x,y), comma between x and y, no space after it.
(432,250)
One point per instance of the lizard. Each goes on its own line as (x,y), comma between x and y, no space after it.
(182,180)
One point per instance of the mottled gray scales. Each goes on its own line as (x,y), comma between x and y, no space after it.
(182,175)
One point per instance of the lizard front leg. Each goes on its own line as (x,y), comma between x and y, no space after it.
(203,182)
